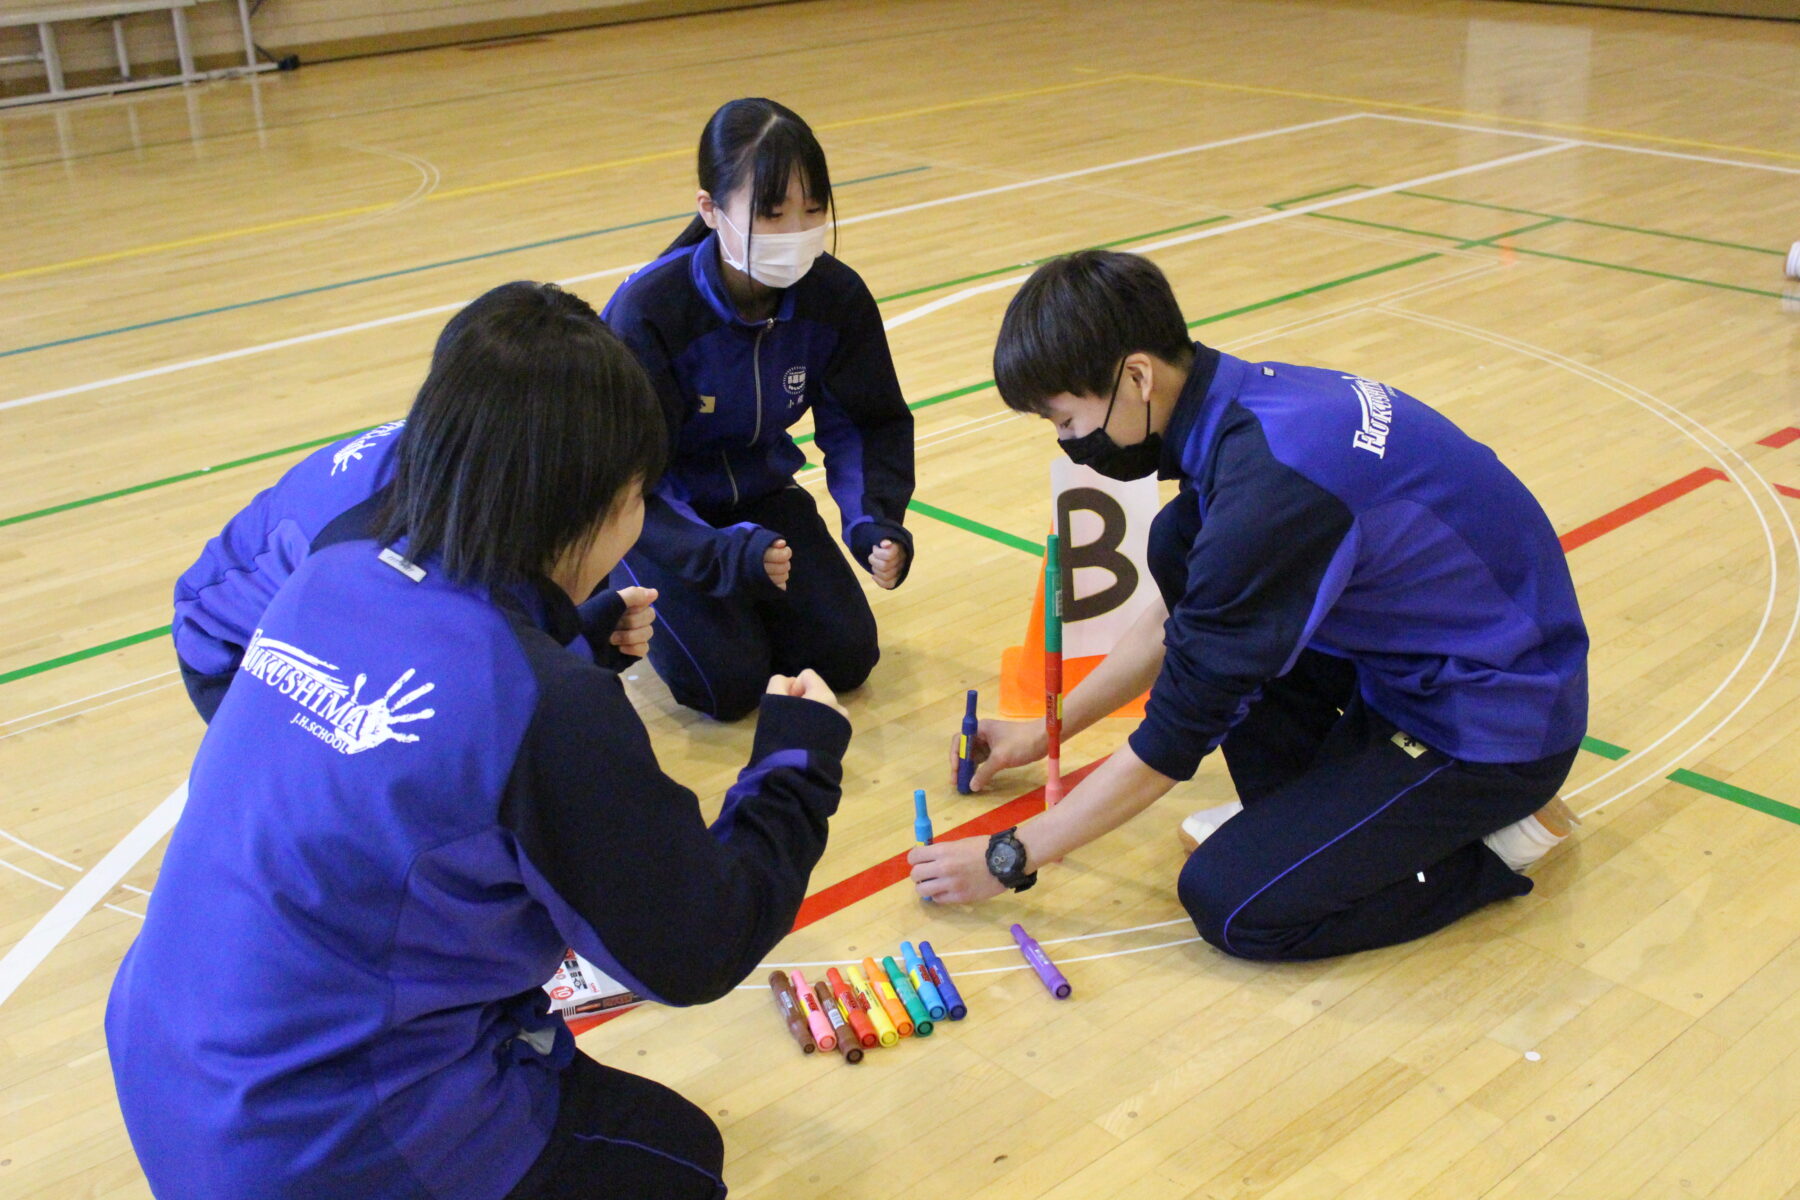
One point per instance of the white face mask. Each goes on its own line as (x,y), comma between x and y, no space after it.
(777,260)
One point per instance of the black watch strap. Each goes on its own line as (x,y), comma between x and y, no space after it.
(1006,860)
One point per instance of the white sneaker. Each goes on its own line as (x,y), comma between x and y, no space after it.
(1203,824)
(1523,843)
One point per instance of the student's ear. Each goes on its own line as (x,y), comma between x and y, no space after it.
(709,212)
(1140,368)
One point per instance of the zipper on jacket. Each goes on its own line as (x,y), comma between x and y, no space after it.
(756,370)
(731,477)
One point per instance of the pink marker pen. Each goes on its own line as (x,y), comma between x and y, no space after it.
(815,1017)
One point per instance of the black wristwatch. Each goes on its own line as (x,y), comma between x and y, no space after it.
(1006,860)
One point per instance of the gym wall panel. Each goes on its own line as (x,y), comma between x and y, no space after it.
(317,30)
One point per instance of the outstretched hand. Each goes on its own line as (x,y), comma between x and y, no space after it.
(998,745)
(954,872)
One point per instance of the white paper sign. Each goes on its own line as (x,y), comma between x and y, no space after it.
(1106,528)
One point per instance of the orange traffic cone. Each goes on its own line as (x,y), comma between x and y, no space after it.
(1022,670)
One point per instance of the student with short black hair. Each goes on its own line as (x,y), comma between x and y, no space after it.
(416,797)
(1362,608)
(221,597)
(744,324)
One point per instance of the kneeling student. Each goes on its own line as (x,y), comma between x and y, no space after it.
(1362,608)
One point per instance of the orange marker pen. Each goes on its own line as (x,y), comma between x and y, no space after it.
(854,1007)
(871,1004)
(890,999)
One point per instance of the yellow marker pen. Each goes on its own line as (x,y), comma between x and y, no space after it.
(884,1025)
(890,999)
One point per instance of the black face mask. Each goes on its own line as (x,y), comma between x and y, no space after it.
(1098,451)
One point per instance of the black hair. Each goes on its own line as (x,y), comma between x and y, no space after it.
(1075,321)
(532,424)
(760,143)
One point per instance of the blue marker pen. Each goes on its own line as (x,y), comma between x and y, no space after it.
(940,978)
(965,748)
(921,819)
(929,996)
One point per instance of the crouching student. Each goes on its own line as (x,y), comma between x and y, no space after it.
(1363,608)
(415,797)
(220,599)
(744,324)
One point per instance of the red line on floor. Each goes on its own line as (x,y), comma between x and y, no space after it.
(860,886)
(1583,534)
(1784,489)
(1780,437)
(838,896)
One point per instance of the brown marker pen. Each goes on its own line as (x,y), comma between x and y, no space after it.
(847,1040)
(791,1012)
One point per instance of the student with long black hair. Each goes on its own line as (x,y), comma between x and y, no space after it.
(419,792)
(744,324)
(221,597)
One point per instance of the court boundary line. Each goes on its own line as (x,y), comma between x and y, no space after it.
(1662,409)
(519,181)
(1551,221)
(1644,230)
(1369,102)
(1555,145)
(87,893)
(944,302)
(439,309)
(402,272)
(1623,149)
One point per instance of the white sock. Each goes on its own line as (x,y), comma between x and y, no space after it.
(1206,822)
(1522,843)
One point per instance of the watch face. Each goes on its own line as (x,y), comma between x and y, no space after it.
(1003,858)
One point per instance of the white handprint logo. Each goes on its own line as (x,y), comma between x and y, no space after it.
(353,451)
(346,722)
(366,726)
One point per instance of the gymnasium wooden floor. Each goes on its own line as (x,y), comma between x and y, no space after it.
(1562,226)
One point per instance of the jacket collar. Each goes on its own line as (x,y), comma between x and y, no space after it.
(544,604)
(1195,398)
(709,277)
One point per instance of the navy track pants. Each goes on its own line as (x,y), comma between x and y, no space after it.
(1349,840)
(716,654)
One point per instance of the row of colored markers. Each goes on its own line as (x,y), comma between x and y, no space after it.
(876,1005)
(880,1005)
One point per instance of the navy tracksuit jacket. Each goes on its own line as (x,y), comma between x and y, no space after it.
(219,600)
(731,389)
(411,800)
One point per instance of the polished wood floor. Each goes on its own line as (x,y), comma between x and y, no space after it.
(1562,226)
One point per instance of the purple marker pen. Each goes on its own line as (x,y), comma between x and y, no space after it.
(1040,962)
